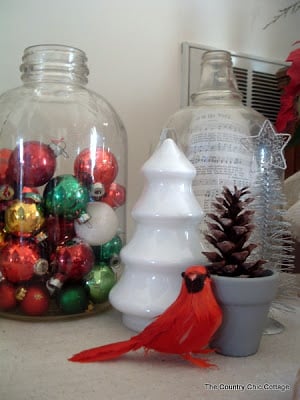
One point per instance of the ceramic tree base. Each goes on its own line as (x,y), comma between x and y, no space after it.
(136,324)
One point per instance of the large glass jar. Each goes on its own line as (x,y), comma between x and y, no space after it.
(230,145)
(63,172)
(210,130)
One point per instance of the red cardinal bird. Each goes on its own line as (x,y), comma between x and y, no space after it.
(185,327)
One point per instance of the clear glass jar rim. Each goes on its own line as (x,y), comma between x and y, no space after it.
(217,53)
(45,61)
(53,47)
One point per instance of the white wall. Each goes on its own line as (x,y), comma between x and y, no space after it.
(133,48)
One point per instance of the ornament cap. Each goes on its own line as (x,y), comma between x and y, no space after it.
(115,262)
(59,148)
(36,197)
(1,277)
(6,192)
(41,267)
(55,283)
(97,191)
(84,217)
(21,293)
(40,237)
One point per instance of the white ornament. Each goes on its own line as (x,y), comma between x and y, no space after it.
(166,240)
(102,225)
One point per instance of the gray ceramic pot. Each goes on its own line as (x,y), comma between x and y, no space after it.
(245,303)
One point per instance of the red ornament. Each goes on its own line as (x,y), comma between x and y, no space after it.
(115,195)
(74,259)
(59,230)
(34,299)
(97,166)
(33,163)
(7,296)
(20,260)
(4,160)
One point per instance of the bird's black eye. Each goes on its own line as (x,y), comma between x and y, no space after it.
(183,274)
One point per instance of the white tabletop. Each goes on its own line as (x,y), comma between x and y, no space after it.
(34,366)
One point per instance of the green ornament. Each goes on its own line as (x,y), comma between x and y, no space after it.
(64,196)
(99,282)
(73,299)
(109,251)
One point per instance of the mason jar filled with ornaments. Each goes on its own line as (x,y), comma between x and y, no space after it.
(63,172)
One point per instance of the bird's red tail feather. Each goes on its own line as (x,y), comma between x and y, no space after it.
(106,352)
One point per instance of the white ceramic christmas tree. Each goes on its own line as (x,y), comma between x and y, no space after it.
(166,240)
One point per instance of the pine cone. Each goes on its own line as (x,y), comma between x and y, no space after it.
(230,229)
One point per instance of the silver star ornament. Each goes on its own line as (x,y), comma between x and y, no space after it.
(268,145)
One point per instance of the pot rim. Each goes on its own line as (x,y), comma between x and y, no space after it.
(274,274)
(239,291)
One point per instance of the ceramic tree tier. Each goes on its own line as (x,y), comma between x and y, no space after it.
(166,239)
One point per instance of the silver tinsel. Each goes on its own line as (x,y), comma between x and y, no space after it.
(276,245)
(273,230)
(273,233)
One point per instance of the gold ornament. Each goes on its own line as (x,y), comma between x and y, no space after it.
(24,218)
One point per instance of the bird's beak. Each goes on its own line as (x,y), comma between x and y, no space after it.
(192,277)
